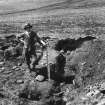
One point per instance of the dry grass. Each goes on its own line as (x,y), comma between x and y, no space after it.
(74,23)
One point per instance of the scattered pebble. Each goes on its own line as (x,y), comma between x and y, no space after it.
(93,93)
(84,98)
(1,63)
(17,69)
(7,72)
(14,67)
(19,81)
(19,64)
(2,68)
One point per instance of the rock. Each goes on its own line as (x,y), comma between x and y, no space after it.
(19,64)
(40,78)
(2,68)
(102,86)
(1,63)
(84,98)
(14,67)
(92,93)
(17,69)
(68,103)
(19,81)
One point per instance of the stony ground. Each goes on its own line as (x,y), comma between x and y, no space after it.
(81,35)
(84,61)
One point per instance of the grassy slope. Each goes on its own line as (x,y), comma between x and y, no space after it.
(63,17)
(32,5)
(76,22)
(27,7)
(12,6)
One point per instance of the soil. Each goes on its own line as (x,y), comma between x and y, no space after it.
(77,79)
(83,69)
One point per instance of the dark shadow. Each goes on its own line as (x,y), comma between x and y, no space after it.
(45,38)
(69,79)
(2,96)
(71,44)
(102,91)
(42,71)
(32,97)
(9,37)
(4,47)
(56,71)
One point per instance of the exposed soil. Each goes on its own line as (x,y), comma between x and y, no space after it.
(73,73)
(77,74)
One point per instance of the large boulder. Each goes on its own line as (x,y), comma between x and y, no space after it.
(40,78)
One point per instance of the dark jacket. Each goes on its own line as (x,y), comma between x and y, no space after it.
(30,39)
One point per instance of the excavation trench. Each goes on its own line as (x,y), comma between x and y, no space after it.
(46,91)
(71,44)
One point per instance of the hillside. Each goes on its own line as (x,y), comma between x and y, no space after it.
(23,11)
(11,7)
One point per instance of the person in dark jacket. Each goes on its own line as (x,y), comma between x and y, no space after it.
(29,38)
(59,67)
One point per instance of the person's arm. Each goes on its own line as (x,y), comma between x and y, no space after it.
(20,37)
(40,41)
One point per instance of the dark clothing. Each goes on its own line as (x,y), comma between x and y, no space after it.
(60,64)
(59,67)
(33,39)
(30,39)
